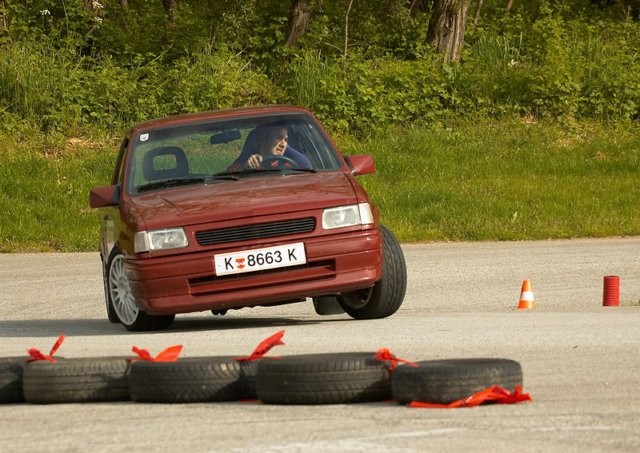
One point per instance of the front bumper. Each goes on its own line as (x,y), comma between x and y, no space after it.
(187,283)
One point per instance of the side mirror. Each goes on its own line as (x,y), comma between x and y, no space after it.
(103,197)
(361,164)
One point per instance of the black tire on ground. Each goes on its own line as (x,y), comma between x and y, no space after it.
(445,381)
(78,380)
(193,380)
(123,303)
(386,296)
(327,305)
(338,378)
(112,316)
(11,370)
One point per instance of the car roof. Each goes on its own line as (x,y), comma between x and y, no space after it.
(241,112)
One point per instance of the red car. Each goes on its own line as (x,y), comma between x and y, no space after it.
(239,208)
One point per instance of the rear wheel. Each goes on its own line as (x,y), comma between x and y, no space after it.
(327,305)
(121,298)
(385,297)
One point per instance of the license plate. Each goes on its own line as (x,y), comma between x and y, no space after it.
(260,259)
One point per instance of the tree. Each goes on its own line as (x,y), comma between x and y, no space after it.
(171,8)
(299,14)
(3,18)
(625,6)
(417,5)
(346,30)
(477,17)
(509,6)
(446,27)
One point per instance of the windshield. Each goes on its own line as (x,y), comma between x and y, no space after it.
(228,150)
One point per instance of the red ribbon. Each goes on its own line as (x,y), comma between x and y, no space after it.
(495,394)
(385,355)
(35,354)
(168,355)
(264,347)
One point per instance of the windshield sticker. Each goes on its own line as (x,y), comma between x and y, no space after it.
(144,137)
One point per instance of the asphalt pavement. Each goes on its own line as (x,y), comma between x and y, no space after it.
(581,361)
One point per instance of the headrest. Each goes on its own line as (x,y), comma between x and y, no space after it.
(164,163)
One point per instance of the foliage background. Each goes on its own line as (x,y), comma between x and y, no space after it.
(64,66)
(534,102)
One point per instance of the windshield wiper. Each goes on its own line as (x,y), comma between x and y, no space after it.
(171,183)
(300,170)
(247,171)
(255,171)
(224,176)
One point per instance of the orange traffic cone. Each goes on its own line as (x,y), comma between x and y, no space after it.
(527,301)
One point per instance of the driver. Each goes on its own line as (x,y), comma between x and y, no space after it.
(268,143)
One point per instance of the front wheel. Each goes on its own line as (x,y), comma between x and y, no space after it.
(123,302)
(385,297)
(111,312)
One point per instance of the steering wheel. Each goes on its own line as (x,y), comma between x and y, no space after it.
(282,160)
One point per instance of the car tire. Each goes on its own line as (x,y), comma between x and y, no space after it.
(78,380)
(386,296)
(338,378)
(11,371)
(111,312)
(193,380)
(446,381)
(327,305)
(121,299)
(112,316)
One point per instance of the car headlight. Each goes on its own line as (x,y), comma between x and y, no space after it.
(171,238)
(345,216)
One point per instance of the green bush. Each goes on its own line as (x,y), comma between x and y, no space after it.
(58,90)
(216,80)
(549,60)
(34,80)
(363,95)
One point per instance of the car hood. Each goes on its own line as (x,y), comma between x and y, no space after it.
(243,199)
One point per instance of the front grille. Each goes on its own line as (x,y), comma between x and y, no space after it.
(257,231)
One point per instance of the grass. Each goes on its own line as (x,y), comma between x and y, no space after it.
(44,193)
(468,180)
(510,180)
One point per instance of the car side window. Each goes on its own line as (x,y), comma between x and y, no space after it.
(307,139)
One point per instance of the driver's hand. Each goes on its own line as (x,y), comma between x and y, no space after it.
(254,161)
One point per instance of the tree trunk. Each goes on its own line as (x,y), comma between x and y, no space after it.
(475,19)
(507,9)
(171,8)
(446,27)
(346,32)
(3,18)
(125,5)
(299,14)
(417,5)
